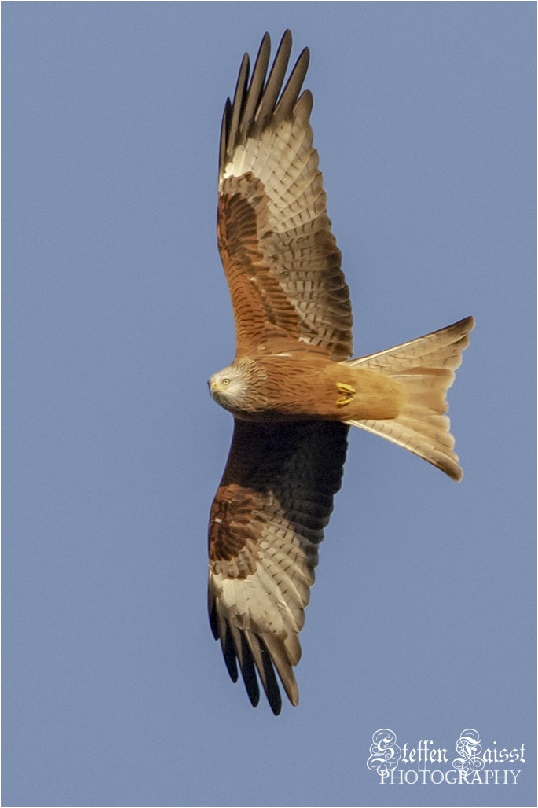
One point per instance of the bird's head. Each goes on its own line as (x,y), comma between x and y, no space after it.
(228,387)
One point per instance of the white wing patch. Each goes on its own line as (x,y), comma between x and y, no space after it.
(287,165)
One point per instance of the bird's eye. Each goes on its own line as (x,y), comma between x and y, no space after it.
(225,381)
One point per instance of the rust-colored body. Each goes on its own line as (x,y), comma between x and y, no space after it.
(300,384)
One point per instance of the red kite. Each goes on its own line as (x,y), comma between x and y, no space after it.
(292,388)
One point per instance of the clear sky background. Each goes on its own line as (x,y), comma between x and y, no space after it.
(116,312)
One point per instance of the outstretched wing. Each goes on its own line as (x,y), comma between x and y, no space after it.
(279,255)
(266,522)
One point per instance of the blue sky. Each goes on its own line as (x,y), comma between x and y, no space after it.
(116,312)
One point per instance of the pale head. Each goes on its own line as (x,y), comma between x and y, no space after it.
(228,387)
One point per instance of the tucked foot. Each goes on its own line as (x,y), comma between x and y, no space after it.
(345,394)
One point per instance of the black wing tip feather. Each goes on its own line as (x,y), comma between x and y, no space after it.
(253,667)
(238,649)
(259,96)
(248,671)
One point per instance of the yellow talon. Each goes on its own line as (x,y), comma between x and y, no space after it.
(346,393)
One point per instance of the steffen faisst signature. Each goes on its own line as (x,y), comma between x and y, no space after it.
(427,763)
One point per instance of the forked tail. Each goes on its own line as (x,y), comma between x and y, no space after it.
(425,368)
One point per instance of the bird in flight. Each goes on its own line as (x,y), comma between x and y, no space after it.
(293,388)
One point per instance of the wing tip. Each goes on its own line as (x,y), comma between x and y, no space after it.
(260,97)
(256,662)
